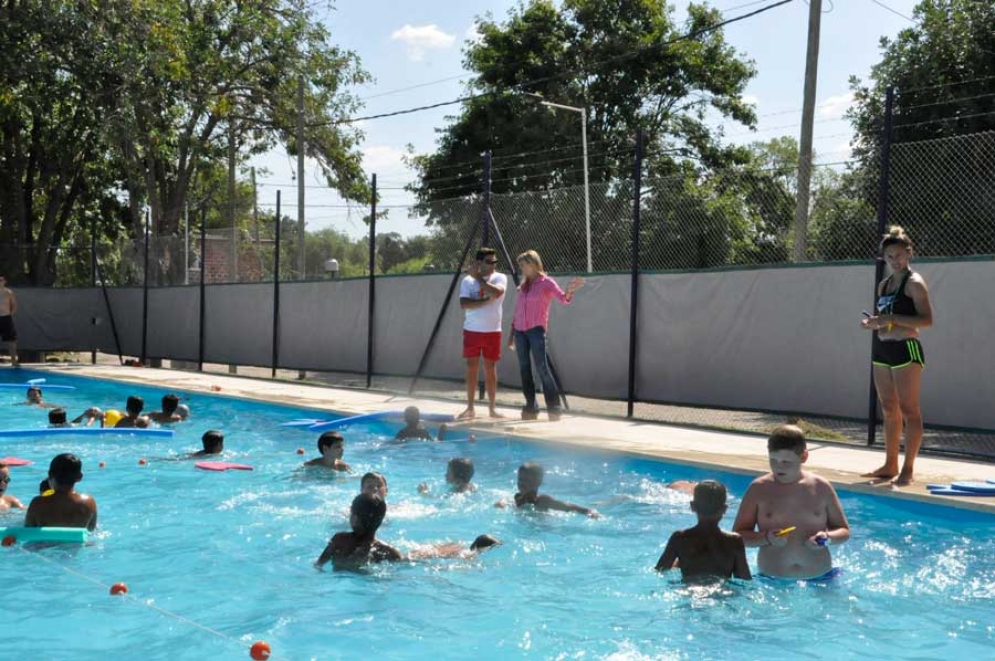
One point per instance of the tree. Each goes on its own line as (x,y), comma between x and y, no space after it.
(943,152)
(619,60)
(54,167)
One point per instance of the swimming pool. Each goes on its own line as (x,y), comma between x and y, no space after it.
(232,553)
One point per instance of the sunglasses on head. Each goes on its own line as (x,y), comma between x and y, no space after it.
(490,261)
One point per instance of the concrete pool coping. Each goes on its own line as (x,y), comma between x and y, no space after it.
(729,452)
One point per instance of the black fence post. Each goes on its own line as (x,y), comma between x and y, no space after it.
(145,293)
(93,269)
(884,190)
(203,288)
(637,176)
(276,291)
(372,294)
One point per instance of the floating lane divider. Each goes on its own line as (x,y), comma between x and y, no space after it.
(379,415)
(85,431)
(17,535)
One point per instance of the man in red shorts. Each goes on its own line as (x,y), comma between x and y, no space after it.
(481,296)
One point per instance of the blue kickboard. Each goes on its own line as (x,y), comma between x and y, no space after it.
(941,490)
(977,487)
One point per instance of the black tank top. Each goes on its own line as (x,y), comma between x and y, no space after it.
(898,302)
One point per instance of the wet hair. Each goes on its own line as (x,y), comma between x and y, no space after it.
(169,404)
(57,416)
(462,468)
(486,252)
(709,498)
(412,414)
(44,486)
(213,440)
(135,405)
(896,236)
(372,476)
(34,389)
(328,439)
(65,470)
(532,467)
(369,511)
(787,437)
(485,542)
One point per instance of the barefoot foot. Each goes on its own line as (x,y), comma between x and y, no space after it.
(904,479)
(468,414)
(883,473)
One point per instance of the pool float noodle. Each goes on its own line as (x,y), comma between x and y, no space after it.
(25,386)
(85,431)
(51,534)
(379,415)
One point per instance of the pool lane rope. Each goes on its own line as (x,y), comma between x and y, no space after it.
(158,609)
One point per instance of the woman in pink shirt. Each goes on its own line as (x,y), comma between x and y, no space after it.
(528,331)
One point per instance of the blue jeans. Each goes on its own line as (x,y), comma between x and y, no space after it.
(529,344)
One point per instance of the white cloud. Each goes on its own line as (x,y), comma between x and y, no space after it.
(383,158)
(833,107)
(422,38)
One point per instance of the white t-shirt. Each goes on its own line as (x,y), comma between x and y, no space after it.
(486,318)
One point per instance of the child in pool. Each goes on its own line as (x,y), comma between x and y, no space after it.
(706,551)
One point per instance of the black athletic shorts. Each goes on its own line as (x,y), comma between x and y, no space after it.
(897,353)
(7,331)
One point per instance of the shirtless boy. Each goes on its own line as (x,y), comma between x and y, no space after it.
(530,476)
(7,502)
(794,516)
(706,551)
(331,445)
(65,507)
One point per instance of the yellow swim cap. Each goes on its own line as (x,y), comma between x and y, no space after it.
(112,417)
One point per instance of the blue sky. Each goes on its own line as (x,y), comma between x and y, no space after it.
(404,44)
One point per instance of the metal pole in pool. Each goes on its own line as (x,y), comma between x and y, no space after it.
(145,293)
(372,293)
(203,285)
(637,176)
(276,290)
(883,195)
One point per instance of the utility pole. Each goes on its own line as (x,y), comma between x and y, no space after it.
(300,175)
(255,206)
(805,143)
(231,202)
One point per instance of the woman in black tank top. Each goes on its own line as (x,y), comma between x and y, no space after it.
(902,308)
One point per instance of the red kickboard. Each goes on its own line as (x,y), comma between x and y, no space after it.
(14,461)
(221,466)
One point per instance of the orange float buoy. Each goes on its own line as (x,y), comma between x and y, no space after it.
(101,464)
(9,540)
(300,450)
(142,462)
(260,650)
(119,588)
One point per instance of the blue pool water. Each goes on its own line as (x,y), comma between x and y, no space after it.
(232,553)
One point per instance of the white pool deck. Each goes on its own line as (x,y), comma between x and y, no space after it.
(740,453)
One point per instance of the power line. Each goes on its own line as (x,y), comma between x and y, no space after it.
(420,85)
(521,86)
(944,119)
(959,82)
(896,13)
(949,101)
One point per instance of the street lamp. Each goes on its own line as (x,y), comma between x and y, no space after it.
(587,195)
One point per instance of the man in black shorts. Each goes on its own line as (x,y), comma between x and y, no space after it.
(8,334)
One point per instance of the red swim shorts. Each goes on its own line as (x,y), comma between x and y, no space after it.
(475,343)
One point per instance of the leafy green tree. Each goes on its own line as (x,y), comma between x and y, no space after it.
(943,154)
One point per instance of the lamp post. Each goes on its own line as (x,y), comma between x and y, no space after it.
(587,196)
